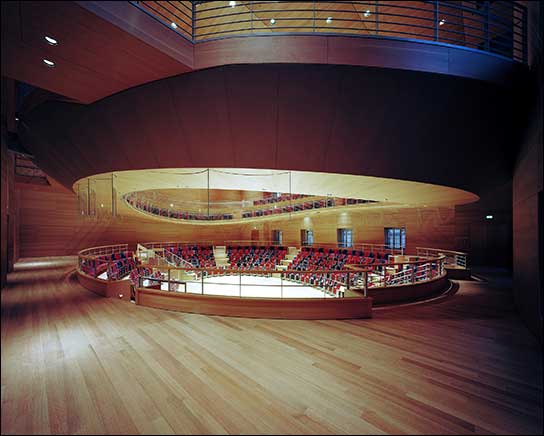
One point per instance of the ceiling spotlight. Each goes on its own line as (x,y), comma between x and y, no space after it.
(50,41)
(171,204)
(367,13)
(489,217)
(49,63)
(329,20)
(232,4)
(272,21)
(16,118)
(442,21)
(173,25)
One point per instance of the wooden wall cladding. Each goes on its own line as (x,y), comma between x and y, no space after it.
(94,58)
(425,227)
(50,225)
(288,308)
(370,52)
(6,217)
(338,119)
(403,294)
(111,289)
(528,196)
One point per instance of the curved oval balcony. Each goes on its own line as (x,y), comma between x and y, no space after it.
(160,204)
(495,27)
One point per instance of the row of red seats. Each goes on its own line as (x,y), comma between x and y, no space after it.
(137,272)
(282,197)
(255,257)
(168,213)
(120,268)
(99,264)
(197,256)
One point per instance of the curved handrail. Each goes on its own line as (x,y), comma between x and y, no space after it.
(498,27)
(242,212)
(457,259)
(377,275)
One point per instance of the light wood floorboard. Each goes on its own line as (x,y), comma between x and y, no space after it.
(77,363)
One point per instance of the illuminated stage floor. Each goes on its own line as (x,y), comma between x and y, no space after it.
(252,286)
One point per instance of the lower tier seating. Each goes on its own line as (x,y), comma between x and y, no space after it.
(248,258)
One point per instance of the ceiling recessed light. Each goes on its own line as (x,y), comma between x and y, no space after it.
(329,20)
(50,41)
(173,25)
(367,13)
(272,21)
(49,63)
(442,21)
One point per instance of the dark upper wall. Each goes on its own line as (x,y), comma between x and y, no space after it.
(528,184)
(378,122)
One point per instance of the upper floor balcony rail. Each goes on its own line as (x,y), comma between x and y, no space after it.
(498,27)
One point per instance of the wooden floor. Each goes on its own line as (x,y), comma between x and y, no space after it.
(73,362)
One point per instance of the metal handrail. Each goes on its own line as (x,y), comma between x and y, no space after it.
(371,275)
(458,259)
(264,211)
(498,27)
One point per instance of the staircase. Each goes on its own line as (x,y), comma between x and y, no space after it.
(221,257)
(170,259)
(292,252)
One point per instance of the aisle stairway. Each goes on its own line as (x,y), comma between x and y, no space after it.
(221,257)
(175,261)
(292,252)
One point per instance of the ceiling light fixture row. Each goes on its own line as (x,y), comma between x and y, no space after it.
(51,41)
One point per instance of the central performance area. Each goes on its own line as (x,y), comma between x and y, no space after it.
(248,286)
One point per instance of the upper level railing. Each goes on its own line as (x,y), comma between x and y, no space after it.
(191,210)
(455,259)
(498,27)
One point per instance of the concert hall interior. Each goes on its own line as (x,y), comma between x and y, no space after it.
(272,217)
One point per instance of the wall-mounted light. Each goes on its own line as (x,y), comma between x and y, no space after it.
(367,13)
(173,25)
(49,63)
(232,4)
(272,21)
(442,22)
(329,20)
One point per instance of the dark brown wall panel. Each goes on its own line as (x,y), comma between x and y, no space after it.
(385,123)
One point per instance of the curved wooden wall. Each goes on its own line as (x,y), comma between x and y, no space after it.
(403,294)
(367,52)
(110,289)
(339,119)
(276,308)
